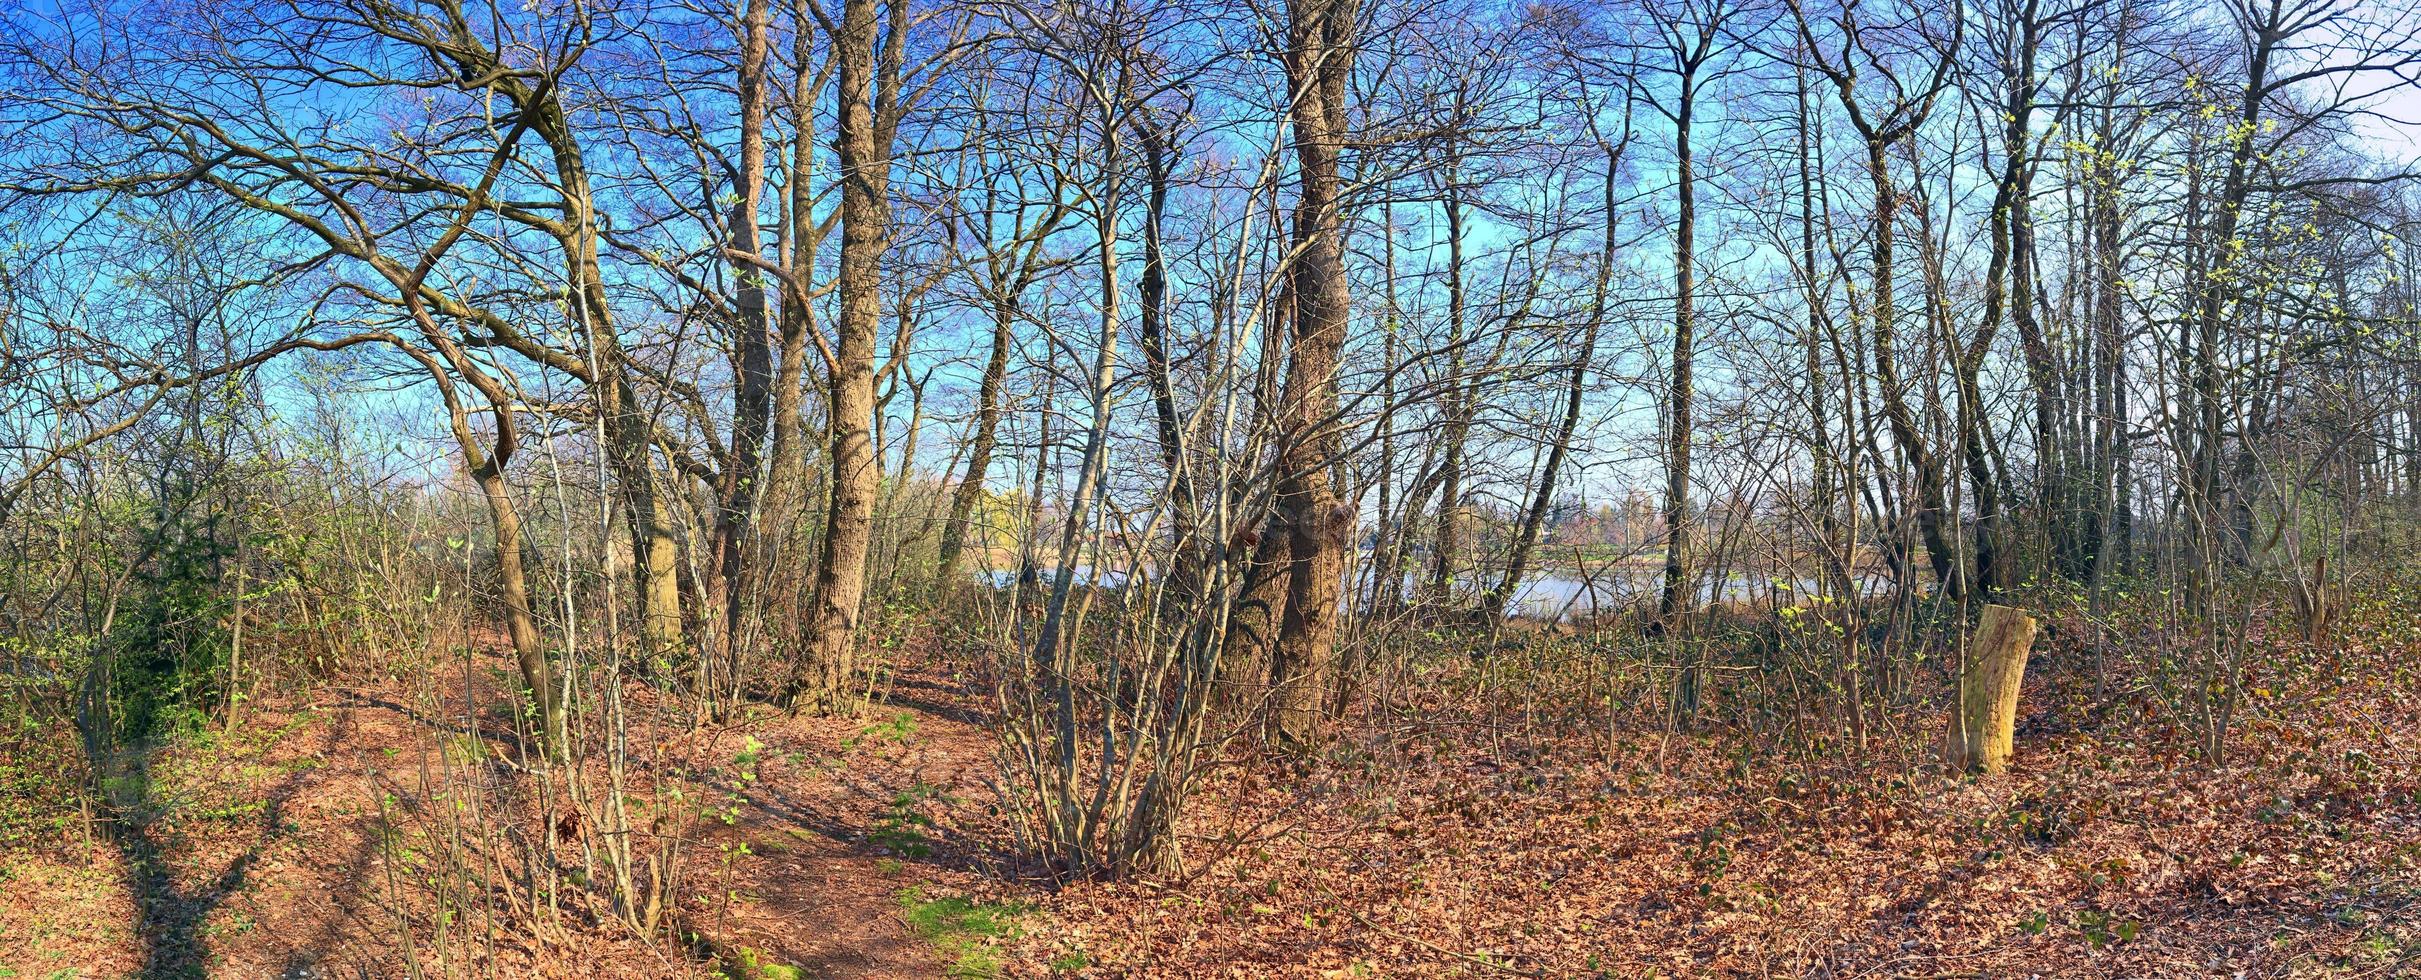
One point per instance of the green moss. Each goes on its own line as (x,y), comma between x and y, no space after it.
(964,930)
(752,965)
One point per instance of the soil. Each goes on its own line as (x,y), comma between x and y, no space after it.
(259,854)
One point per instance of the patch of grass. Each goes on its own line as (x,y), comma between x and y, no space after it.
(752,965)
(463,750)
(232,812)
(966,931)
(896,730)
(900,828)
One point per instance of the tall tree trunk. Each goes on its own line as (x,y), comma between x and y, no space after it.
(487,467)
(786,491)
(752,369)
(1386,573)
(1152,290)
(1049,653)
(2003,268)
(1902,115)
(521,625)
(1838,552)
(2208,396)
(863,152)
(1682,391)
(1884,314)
(1460,395)
(1319,523)
(1525,540)
(628,427)
(969,491)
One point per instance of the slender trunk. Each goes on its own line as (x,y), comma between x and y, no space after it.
(970,489)
(1386,575)
(1517,564)
(521,625)
(1680,395)
(1185,574)
(1459,398)
(1904,430)
(629,429)
(786,495)
(1089,474)
(752,368)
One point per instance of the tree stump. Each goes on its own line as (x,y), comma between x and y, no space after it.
(1985,731)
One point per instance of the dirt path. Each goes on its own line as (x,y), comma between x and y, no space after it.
(291,848)
(850,821)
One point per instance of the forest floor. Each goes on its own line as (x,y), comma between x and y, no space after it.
(302,844)
(1466,830)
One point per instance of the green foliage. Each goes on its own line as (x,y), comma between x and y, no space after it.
(895,730)
(900,827)
(2101,928)
(171,648)
(42,766)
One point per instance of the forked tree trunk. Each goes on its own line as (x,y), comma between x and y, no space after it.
(840,574)
(1986,727)
(1319,522)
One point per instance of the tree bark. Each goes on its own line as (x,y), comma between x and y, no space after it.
(752,369)
(1986,733)
(1319,523)
(865,164)
(1460,394)
(1682,392)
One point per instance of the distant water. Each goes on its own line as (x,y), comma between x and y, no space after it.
(1553,597)
(1002,578)
(1557,597)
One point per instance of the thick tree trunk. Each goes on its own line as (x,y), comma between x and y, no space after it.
(656,547)
(1319,523)
(1986,729)
(840,575)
